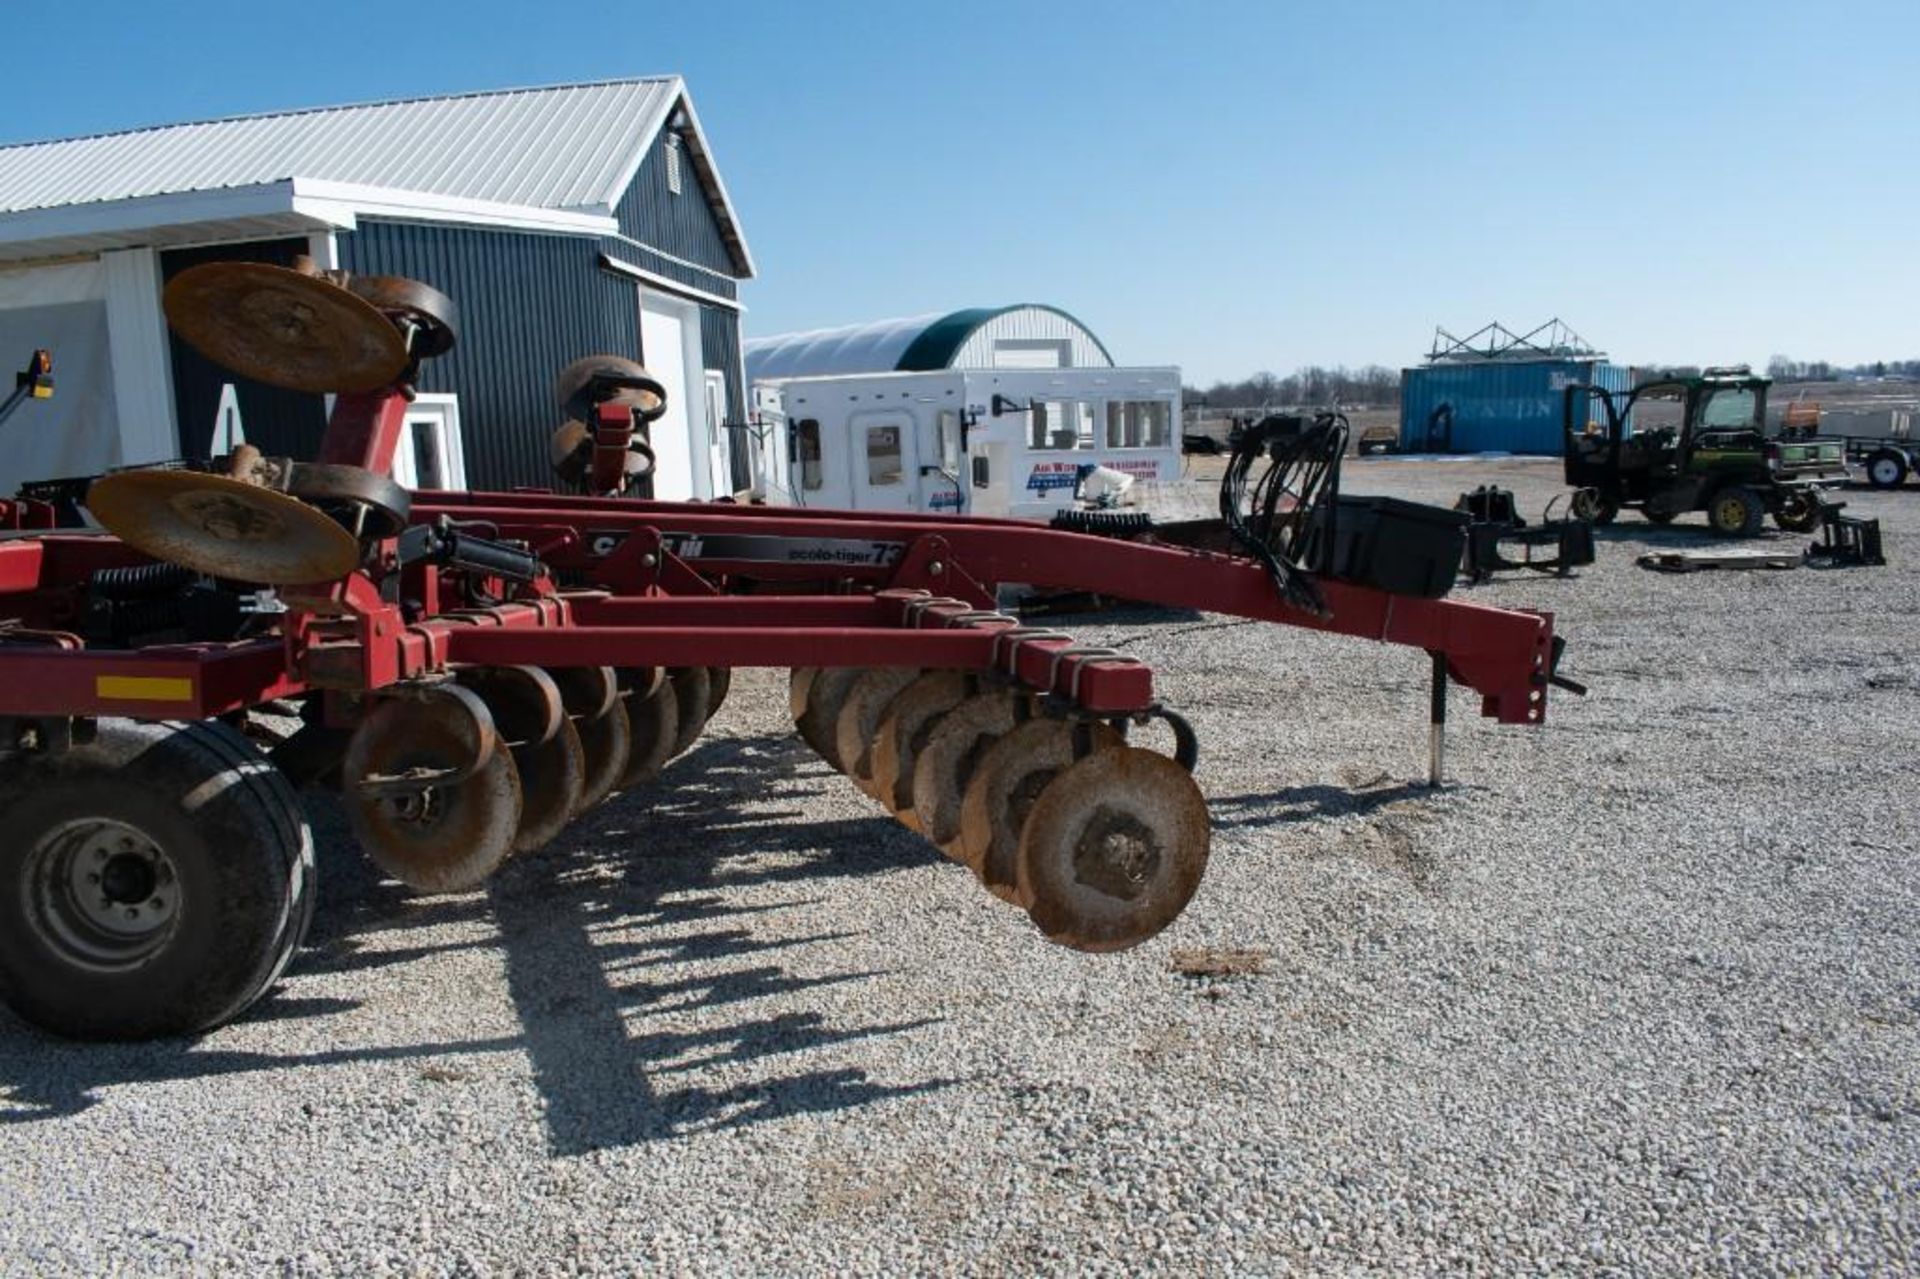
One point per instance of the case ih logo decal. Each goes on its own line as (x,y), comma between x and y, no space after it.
(747,548)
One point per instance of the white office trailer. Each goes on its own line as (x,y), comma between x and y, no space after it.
(1005,411)
(1003,442)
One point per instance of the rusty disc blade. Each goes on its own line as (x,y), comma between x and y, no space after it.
(859,720)
(640,681)
(719,684)
(434,318)
(826,695)
(945,765)
(1113,850)
(223,527)
(571,452)
(284,328)
(546,747)
(591,695)
(905,725)
(799,680)
(574,388)
(655,721)
(441,838)
(1003,789)
(692,688)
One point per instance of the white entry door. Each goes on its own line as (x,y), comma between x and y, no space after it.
(431,454)
(670,348)
(886,471)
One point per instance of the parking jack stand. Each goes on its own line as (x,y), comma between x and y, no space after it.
(1437,724)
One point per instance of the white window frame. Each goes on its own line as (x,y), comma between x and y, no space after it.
(444,409)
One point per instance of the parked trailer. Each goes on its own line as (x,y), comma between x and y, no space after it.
(1885,462)
(474,670)
(999,442)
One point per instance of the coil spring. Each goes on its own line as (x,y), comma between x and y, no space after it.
(140,581)
(135,618)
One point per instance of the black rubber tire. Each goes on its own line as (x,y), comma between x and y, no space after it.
(1798,514)
(1736,511)
(1588,504)
(1887,469)
(232,832)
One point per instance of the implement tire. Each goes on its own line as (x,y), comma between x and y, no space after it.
(155,882)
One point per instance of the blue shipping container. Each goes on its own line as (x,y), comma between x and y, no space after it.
(1495,406)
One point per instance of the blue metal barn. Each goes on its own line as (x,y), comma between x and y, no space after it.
(563,222)
(1505,396)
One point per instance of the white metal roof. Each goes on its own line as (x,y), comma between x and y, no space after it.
(555,158)
(852,348)
(968,338)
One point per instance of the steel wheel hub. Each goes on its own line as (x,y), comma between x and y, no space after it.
(102,893)
(1116,856)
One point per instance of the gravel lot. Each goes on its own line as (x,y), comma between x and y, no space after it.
(1638,993)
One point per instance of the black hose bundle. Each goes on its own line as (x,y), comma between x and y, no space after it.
(1290,503)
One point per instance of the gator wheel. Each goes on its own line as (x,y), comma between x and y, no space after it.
(155,882)
(1736,511)
(1799,513)
(1588,504)
(1113,850)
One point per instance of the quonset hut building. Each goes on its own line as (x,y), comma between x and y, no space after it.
(562,221)
(1496,391)
(1027,336)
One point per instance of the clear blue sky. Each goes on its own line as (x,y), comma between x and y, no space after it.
(1226,186)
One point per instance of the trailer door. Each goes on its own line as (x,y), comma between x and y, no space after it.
(886,470)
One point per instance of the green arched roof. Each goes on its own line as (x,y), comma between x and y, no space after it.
(940,341)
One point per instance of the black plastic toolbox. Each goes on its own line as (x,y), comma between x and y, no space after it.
(1408,548)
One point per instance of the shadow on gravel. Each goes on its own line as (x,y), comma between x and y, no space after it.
(1291,804)
(645,884)
(649,886)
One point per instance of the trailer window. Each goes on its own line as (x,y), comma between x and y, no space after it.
(806,434)
(1054,425)
(1133,424)
(1083,414)
(883,456)
(949,428)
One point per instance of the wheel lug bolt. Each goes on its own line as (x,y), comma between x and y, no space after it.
(133,912)
(93,877)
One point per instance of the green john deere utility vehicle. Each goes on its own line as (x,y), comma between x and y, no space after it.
(1718,456)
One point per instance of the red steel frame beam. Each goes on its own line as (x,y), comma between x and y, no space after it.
(1503,654)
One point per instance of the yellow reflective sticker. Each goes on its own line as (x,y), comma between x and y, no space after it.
(142,688)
